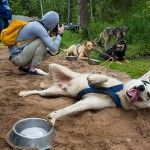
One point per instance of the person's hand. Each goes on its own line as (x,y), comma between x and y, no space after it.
(61,29)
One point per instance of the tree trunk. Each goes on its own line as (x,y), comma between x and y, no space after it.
(69,12)
(91,10)
(84,17)
(41,7)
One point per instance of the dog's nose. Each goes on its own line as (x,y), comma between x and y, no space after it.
(141,88)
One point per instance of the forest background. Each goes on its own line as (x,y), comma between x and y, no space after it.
(97,15)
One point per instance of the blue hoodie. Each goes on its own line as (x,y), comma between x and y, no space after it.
(34,30)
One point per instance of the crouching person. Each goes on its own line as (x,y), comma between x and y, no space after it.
(33,43)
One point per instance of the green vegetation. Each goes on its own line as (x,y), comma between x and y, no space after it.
(70,38)
(1,45)
(136,67)
(134,14)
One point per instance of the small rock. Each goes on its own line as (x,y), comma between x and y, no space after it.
(128,139)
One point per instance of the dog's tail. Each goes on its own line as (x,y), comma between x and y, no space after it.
(65,50)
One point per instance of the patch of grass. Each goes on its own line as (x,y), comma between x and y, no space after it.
(135,69)
(137,51)
(1,45)
(139,64)
(70,38)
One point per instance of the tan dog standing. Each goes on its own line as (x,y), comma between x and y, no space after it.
(82,51)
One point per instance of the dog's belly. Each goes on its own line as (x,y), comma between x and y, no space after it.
(103,98)
(111,82)
(75,51)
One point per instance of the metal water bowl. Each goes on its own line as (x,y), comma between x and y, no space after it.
(93,61)
(71,58)
(31,133)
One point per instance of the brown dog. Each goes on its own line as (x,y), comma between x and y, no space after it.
(82,51)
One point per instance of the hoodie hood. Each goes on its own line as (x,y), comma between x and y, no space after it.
(50,20)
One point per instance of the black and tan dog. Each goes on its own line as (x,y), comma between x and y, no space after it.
(106,35)
(117,51)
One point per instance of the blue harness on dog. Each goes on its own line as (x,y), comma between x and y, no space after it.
(111,91)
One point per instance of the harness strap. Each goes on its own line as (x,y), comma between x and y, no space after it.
(111,91)
(78,49)
(42,24)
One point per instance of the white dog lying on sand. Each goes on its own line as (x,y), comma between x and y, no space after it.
(94,91)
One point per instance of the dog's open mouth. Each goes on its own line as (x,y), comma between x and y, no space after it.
(133,94)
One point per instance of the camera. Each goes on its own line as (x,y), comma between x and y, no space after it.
(54,32)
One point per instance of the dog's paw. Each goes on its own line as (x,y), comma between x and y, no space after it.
(96,79)
(51,118)
(127,61)
(118,62)
(23,93)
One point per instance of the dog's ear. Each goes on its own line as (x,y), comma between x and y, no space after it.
(94,43)
(146,76)
(85,43)
(61,73)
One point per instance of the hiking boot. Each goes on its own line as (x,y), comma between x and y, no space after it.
(27,71)
(24,70)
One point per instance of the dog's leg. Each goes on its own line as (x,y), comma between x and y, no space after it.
(142,105)
(100,40)
(126,61)
(97,79)
(52,91)
(91,102)
(107,39)
(83,58)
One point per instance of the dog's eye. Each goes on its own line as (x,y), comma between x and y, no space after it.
(145,82)
(148,94)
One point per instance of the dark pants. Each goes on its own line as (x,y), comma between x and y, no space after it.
(3,24)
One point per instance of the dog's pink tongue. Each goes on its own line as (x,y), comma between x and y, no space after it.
(134,93)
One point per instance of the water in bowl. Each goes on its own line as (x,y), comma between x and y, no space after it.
(33,132)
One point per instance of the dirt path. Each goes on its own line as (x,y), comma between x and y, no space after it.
(108,129)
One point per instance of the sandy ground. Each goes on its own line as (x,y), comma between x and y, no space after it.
(108,129)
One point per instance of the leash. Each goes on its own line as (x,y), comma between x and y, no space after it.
(104,63)
(108,56)
(111,59)
(111,91)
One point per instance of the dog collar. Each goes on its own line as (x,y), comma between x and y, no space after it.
(111,91)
